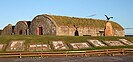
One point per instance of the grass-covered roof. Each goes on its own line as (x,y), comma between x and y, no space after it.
(84,22)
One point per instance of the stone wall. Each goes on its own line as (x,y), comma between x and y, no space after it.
(8,30)
(119,33)
(41,25)
(45,25)
(21,28)
(110,31)
(70,31)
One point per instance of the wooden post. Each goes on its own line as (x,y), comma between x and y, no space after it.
(85,54)
(20,56)
(122,51)
(67,53)
(41,54)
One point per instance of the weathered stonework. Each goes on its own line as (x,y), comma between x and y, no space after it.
(69,31)
(48,25)
(119,32)
(65,26)
(41,25)
(109,31)
(22,28)
(8,30)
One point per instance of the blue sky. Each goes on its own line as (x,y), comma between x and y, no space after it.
(12,11)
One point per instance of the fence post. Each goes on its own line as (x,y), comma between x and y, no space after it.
(85,54)
(20,56)
(106,51)
(122,50)
(66,53)
(41,54)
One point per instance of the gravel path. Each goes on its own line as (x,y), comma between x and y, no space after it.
(128,58)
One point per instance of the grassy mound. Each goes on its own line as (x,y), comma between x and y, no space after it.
(67,39)
(83,22)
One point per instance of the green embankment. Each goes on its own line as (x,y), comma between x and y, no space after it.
(67,39)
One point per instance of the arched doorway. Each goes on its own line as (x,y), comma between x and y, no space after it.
(40,31)
(20,32)
(76,33)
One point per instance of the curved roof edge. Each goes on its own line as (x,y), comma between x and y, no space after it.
(80,21)
(27,23)
(45,15)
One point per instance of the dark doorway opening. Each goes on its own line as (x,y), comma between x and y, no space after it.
(40,31)
(76,33)
(20,32)
(101,33)
(26,32)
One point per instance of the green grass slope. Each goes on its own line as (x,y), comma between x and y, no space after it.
(67,39)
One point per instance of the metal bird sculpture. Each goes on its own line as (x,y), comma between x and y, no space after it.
(75,27)
(108,17)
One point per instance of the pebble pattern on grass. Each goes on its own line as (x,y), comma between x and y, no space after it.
(126,41)
(17,45)
(96,43)
(114,43)
(59,45)
(80,45)
(38,47)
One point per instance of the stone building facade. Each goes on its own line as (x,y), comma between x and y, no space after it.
(8,30)
(65,26)
(22,28)
(42,25)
